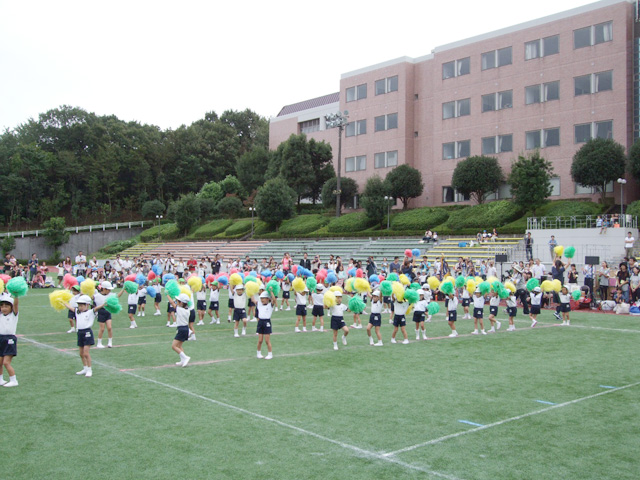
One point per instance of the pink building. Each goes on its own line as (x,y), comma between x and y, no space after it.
(550,83)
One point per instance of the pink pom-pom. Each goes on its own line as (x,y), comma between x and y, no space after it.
(359,273)
(233,270)
(68,281)
(382,278)
(408,253)
(210,278)
(294,269)
(130,278)
(5,278)
(151,276)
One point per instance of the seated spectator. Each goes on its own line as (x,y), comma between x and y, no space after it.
(38,281)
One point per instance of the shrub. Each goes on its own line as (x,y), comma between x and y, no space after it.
(230,206)
(570,207)
(633,209)
(212,228)
(419,219)
(166,231)
(303,224)
(352,222)
(118,246)
(484,216)
(152,208)
(239,227)
(7,244)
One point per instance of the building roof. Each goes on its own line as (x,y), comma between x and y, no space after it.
(307,104)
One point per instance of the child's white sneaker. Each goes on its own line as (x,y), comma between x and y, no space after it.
(200,323)
(344,340)
(168,324)
(498,324)
(288,308)
(157,313)
(142,314)
(186,361)
(314,329)
(304,329)
(428,320)
(335,346)
(475,332)
(405,341)
(297,330)
(89,373)
(453,334)
(321,329)
(492,330)
(236,335)
(370,341)
(533,323)
(11,383)
(259,355)
(269,356)
(275,309)
(100,345)
(393,340)
(417,336)
(82,372)
(138,314)
(213,321)
(71,330)
(378,344)
(483,332)
(424,335)
(2,382)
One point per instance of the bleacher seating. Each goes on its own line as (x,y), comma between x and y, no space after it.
(139,249)
(451,248)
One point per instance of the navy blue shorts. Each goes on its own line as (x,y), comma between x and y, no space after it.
(142,300)
(202,305)
(132,309)
(535,309)
(8,345)
(478,312)
(85,337)
(399,321)
(418,316)
(301,310)
(337,323)
(251,304)
(71,315)
(231,304)
(386,300)
(565,307)
(317,311)
(158,298)
(170,308)
(285,294)
(192,316)
(453,316)
(215,306)
(493,311)
(239,314)
(466,302)
(264,327)
(512,311)
(182,333)
(103,315)
(375,319)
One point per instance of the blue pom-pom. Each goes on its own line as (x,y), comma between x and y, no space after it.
(332,278)
(141,279)
(80,278)
(416,252)
(279,274)
(291,277)
(352,272)
(157,269)
(331,271)
(266,273)
(167,277)
(151,291)
(374,278)
(253,274)
(241,275)
(223,281)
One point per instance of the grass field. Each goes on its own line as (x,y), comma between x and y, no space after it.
(545,403)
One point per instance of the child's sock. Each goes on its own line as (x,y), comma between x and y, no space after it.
(183,356)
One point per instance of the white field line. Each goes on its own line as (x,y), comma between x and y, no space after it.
(360,452)
(508,420)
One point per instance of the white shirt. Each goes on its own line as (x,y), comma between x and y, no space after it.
(239,301)
(201,295)
(264,311)
(494,301)
(132,299)
(85,319)
(338,310)
(214,296)
(182,316)
(421,306)
(536,298)
(142,293)
(492,272)
(538,271)
(301,299)
(453,304)
(8,324)
(126,264)
(81,259)
(564,298)
(628,242)
(99,299)
(286,286)
(400,308)
(376,307)
(318,299)
(478,302)
(511,301)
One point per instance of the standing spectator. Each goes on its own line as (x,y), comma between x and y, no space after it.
(81,264)
(552,244)
(192,263)
(634,284)
(588,272)
(603,280)
(395,265)
(33,266)
(628,244)
(371,267)
(305,262)
(286,260)
(528,246)
(126,264)
(215,265)
(538,270)
(623,281)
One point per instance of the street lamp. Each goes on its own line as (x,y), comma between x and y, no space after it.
(388,200)
(252,210)
(337,120)
(159,219)
(622,182)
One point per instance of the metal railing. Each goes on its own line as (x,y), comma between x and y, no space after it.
(576,221)
(84,228)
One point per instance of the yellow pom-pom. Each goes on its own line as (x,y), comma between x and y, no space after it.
(1,285)
(510,286)
(298,285)
(492,279)
(361,285)
(404,280)
(349,284)
(58,298)
(471,285)
(559,250)
(252,288)
(479,280)
(434,283)
(235,279)
(337,288)
(195,282)
(398,291)
(557,285)
(88,287)
(329,299)
(186,290)
(546,286)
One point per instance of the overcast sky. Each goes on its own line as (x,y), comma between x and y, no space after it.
(167,63)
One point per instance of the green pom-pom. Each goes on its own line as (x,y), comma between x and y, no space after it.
(393,277)
(533,283)
(17,287)
(503,293)
(386,289)
(112,305)
(495,286)
(273,288)
(414,286)
(433,308)
(411,296)
(312,284)
(460,281)
(485,287)
(569,252)
(447,287)
(576,293)
(356,304)
(172,288)
(250,278)
(131,287)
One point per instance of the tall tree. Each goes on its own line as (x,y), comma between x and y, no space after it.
(295,167)
(530,180)
(321,163)
(348,187)
(405,183)
(373,202)
(275,202)
(598,162)
(477,177)
(251,168)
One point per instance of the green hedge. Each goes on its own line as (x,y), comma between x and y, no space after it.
(567,208)
(350,223)
(239,227)
(419,219)
(167,231)
(118,246)
(633,209)
(303,224)
(485,216)
(212,229)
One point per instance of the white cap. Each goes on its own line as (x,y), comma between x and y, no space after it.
(106,285)
(84,299)
(420,291)
(264,295)
(338,293)
(537,289)
(5,297)
(240,287)
(376,293)
(319,287)
(305,290)
(183,298)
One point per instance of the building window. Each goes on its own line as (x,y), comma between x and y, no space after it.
(449,195)
(309,126)
(497,101)
(387,85)
(579,189)
(497,144)
(457,108)
(357,93)
(354,164)
(593,35)
(548,137)
(555,186)
(542,47)
(456,68)
(386,122)
(356,128)
(542,93)
(496,58)
(594,83)
(386,159)
(453,150)
(586,131)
